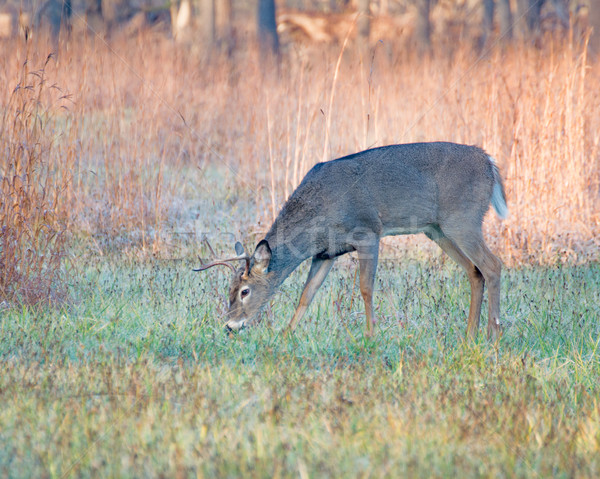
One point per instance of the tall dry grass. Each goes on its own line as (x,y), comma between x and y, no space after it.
(34,190)
(151,117)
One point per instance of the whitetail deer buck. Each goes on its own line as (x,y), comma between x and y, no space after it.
(348,204)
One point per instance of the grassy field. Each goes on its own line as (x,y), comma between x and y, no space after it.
(138,378)
(119,167)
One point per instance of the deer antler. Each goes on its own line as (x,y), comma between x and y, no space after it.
(226,262)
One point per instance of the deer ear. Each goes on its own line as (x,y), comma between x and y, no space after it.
(239,249)
(262,257)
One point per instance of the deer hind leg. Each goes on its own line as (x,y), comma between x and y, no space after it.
(319,269)
(472,245)
(367,260)
(476,279)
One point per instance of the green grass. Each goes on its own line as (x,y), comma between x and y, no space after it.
(137,378)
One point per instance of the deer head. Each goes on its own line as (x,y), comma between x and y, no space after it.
(250,287)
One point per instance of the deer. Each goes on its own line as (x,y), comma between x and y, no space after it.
(348,204)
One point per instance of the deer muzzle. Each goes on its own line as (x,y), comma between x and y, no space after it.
(235,325)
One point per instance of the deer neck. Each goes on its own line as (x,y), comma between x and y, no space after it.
(287,253)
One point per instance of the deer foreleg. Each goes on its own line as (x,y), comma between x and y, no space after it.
(319,270)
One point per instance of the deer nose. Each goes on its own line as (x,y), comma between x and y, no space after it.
(234,326)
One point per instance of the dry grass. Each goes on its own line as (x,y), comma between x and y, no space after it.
(138,166)
(34,183)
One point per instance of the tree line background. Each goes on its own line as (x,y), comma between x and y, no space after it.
(275,24)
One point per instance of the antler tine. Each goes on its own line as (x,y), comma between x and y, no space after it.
(210,265)
(223,262)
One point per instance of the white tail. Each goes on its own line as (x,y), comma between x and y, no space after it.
(498,197)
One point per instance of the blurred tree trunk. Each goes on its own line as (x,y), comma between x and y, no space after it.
(594,23)
(363,23)
(208,19)
(56,16)
(521,22)
(487,22)
(225,23)
(115,12)
(506,19)
(423,26)
(93,15)
(562,12)
(268,39)
(534,14)
(529,15)
(181,16)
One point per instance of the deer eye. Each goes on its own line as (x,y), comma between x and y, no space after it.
(245,292)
